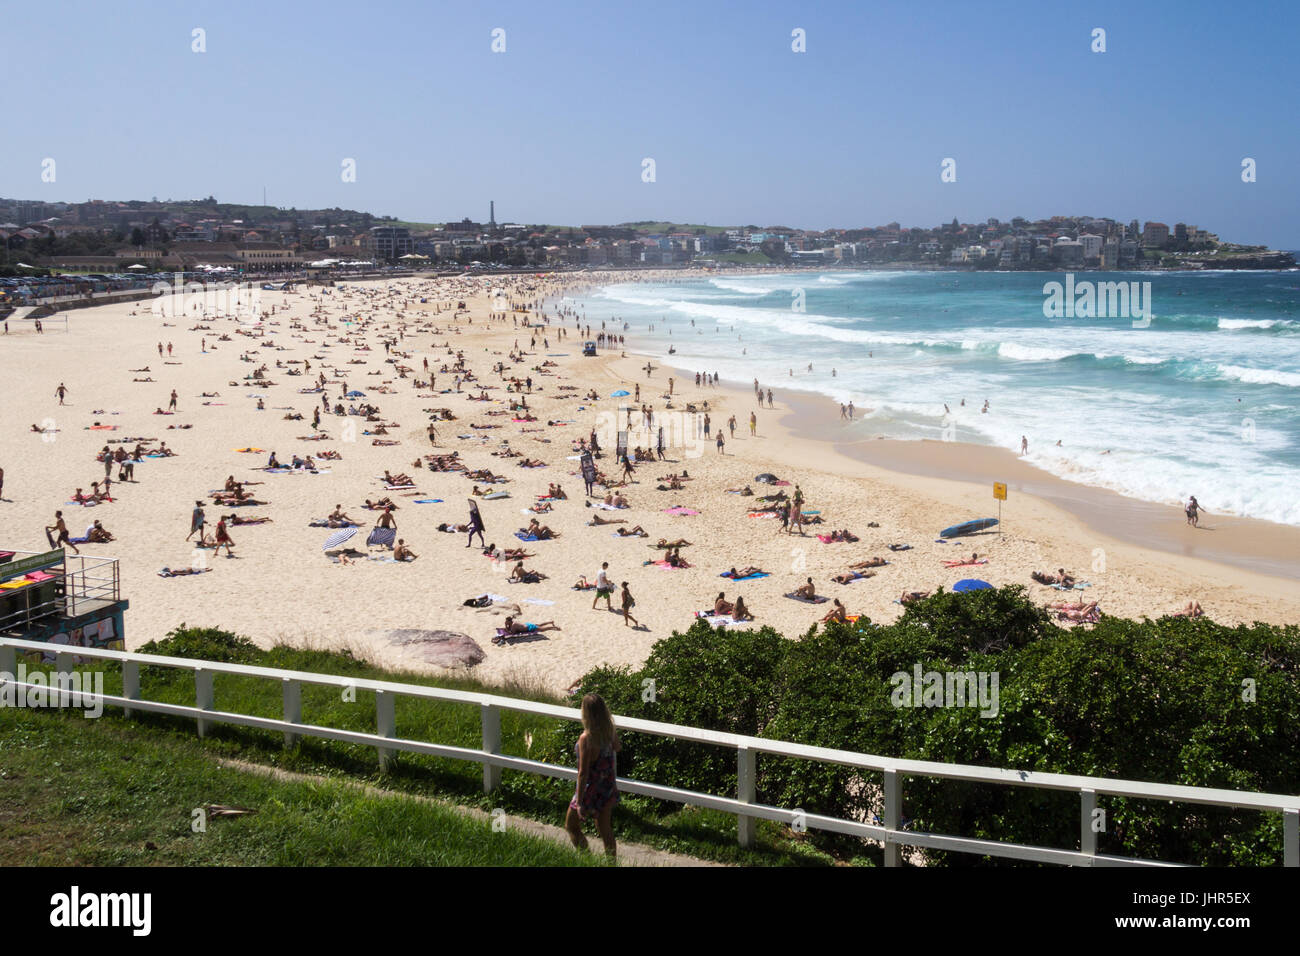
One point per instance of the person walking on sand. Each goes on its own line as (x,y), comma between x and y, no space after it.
(61,391)
(476,526)
(62,528)
(1024,445)
(629,602)
(603,588)
(721,445)
(753,424)
(172,407)
(597,788)
(1193,510)
(197,521)
(223,539)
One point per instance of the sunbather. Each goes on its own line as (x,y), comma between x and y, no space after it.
(806,591)
(525,576)
(909,597)
(402,553)
(1193,609)
(519,627)
(743,572)
(836,613)
(540,531)
(848,577)
(634,532)
(721,605)
(870,563)
(739,612)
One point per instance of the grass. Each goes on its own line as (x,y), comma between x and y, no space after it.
(705,834)
(77,792)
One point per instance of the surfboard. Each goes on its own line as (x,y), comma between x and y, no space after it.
(968,527)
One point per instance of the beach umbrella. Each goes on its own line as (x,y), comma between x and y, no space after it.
(137,266)
(766,477)
(356,393)
(971,584)
(619,394)
(338,538)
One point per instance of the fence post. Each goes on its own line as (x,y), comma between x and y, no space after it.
(62,677)
(292,708)
(203,696)
(130,684)
(490,717)
(745,789)
(1291,837)
(1087,835)
(386,720)
(893,815)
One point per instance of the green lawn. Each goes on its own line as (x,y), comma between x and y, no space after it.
(78,792)
(705,834)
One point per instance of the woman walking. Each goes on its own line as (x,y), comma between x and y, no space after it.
(475,525)
(629,602)
(597,789)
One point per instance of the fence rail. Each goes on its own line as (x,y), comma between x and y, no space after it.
(888,831)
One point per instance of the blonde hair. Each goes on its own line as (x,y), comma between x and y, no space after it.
(598,722)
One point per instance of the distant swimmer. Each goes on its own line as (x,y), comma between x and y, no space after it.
(1024,445)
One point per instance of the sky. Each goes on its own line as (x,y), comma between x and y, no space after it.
(741,128)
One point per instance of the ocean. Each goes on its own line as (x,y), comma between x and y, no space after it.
(1201,398)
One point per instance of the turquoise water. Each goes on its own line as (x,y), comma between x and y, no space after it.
(1203,400)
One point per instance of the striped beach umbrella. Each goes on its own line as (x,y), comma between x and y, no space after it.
(338,538)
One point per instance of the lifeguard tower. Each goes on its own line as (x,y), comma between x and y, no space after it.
(69,600)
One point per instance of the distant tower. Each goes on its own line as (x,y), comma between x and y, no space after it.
(492,215)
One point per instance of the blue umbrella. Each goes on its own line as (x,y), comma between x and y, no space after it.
(356,393)
(619,394)
(972,584)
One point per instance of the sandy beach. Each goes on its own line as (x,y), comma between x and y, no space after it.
(280,585)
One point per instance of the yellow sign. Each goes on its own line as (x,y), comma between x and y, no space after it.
(999,491)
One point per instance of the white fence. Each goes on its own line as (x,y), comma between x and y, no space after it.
(889,831)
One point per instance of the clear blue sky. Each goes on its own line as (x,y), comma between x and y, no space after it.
(742,129)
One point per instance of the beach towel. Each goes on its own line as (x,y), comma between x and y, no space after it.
(496,496)
(382,536)
(803,600)
(428,501)
(762,514)
(680,511)
(718,620)
(1078,585)
(748,577)
(604,507)
(541,601)
(827,539)
(526,537)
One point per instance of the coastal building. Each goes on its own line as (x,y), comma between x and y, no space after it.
(1091,246)
(390,242)
(1155,234)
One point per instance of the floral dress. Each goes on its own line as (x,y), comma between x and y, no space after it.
(602,787)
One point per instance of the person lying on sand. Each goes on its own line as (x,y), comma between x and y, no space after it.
(519,627)
(616,500)
(743,572)
(675,559)
(634,532)
(666,544)
(870,563)
(848,577)
(743,492)
(236,519)
(451,528)
(842,535)
(1080,614)
(1060,577)
(400,480)
(541,508)
(380,504)
(1193,609)
(598,520)
(910,596)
